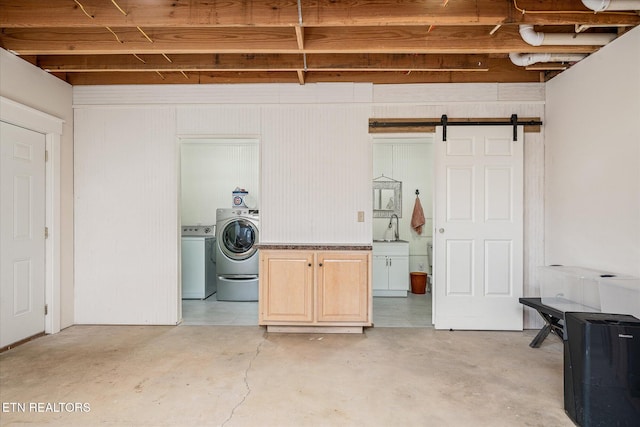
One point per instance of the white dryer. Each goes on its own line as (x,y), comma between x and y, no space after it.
(237,232)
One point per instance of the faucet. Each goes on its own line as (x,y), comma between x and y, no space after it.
(397,234)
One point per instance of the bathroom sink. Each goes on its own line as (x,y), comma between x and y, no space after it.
(387,248)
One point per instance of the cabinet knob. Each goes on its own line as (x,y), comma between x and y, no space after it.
(309,264)
(320,264)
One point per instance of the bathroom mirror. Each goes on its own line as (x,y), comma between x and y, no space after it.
(387,198)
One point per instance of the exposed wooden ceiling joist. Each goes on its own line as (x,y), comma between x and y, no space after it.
(379,41)
(317,13)
(265,62)
(417,39)
(385,77)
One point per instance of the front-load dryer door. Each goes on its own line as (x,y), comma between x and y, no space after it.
(237,239)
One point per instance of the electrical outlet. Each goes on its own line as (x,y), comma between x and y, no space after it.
(421,267)
(360,216)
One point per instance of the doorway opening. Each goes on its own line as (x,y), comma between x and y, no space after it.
(408,160)
(211,168)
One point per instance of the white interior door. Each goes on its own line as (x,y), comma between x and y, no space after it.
(478,228)
(22,222)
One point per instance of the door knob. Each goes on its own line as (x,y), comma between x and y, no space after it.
(441,230)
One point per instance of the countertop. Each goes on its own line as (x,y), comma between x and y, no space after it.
(317,246)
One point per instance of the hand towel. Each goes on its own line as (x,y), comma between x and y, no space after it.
(417,219)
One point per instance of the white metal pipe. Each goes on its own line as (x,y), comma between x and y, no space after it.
(299,13)
(535,38)
(525,59)
(602,5)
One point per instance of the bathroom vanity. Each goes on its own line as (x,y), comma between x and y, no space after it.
(315,288)
(390,268)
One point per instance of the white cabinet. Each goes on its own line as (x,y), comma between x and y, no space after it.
(390,269)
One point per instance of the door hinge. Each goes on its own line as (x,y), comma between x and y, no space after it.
(46,309)
(46,232)
(46,155)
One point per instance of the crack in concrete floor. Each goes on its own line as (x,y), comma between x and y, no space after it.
(246,383)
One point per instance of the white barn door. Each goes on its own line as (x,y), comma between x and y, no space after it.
(22,222)
(478,228)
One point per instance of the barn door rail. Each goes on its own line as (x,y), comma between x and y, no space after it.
(428,125)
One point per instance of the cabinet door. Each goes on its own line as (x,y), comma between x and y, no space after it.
(379,279)
(286,286)
(343,287)
(399,273)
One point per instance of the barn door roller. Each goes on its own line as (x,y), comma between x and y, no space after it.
(513,121)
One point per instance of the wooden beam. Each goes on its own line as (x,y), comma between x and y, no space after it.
(88,41)
(320,13)
(379,77)
(178,78)
(449,40)
(265,62)
(442,40)
(300,36)
(403,129)
(414,77)
(396,62)
(188,62)
(145,13)
(458,12)
(335,65)
(547,66)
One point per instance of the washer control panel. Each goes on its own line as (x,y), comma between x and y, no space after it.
(198,230)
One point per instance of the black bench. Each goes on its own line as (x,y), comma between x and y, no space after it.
(553,319)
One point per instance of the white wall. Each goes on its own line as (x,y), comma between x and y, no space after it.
(210,170)
(314,150)
(593,161)
(316,168)
(30,86)
(126,200)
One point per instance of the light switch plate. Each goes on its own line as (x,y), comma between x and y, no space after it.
(360,216)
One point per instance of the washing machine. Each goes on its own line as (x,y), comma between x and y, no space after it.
(198,261)
(237,264)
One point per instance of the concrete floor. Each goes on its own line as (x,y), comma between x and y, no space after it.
(241,376)
(411,312)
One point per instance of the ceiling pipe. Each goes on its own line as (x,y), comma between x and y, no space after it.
(526,59)
(535,38)
(602,5)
